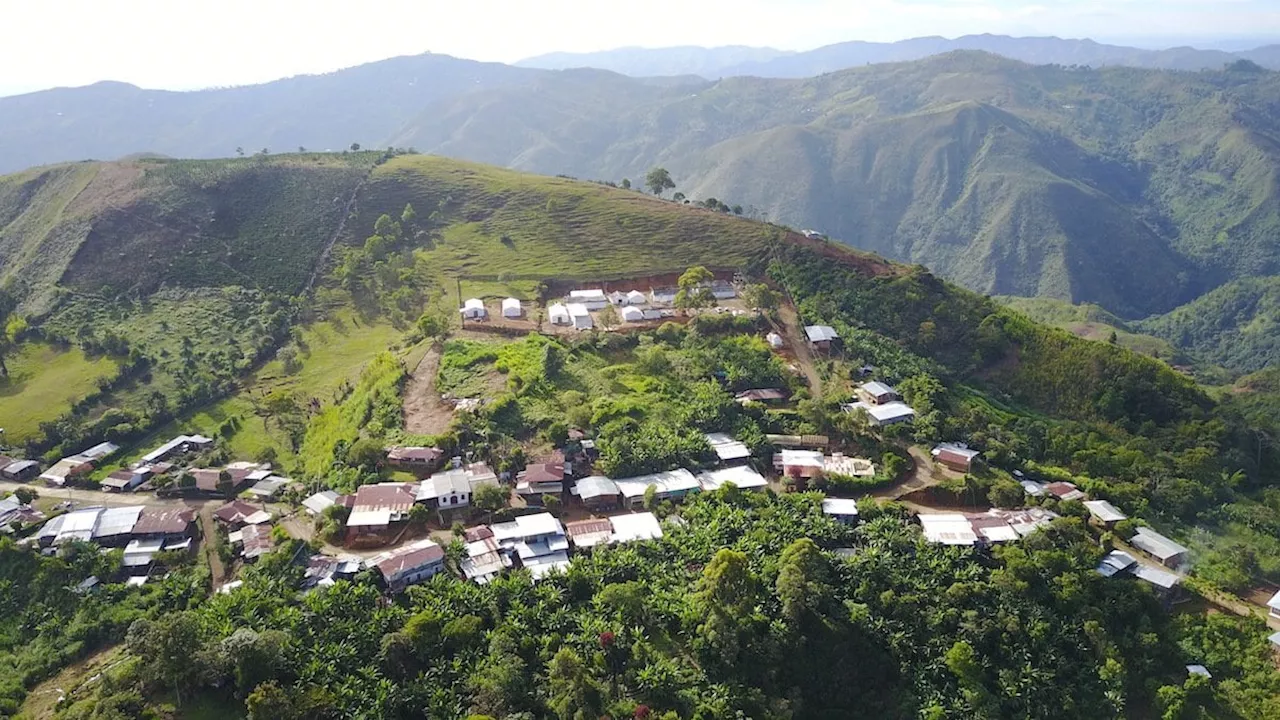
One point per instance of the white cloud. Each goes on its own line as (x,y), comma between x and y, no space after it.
(199,43)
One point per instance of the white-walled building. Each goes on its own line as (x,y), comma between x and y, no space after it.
(473,309)
(511,308)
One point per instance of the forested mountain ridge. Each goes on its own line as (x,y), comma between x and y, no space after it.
(722,62)
(1138,190)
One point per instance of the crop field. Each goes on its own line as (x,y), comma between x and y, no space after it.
(43,382)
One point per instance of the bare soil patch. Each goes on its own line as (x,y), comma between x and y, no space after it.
(424,412)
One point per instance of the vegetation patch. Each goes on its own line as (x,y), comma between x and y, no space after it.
(44,380)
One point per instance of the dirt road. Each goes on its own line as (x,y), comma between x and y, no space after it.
(799,343)
(424,412)
(924,474)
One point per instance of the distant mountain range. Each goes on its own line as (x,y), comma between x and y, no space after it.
(1138,190)
(722,62)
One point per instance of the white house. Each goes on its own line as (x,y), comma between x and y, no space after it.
(511,308)
(593,299)
(635,297)
(727,448)
(631,313)
(473,309)
(558,314)
(580,316)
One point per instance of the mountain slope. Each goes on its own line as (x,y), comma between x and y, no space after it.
(652,62)
(769,62)
(363,104)
(1236,325)
(1134,189)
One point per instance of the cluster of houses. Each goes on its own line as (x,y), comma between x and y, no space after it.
(140,531)
(575,310)
(15,513)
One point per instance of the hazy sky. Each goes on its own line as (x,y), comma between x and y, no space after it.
(182,44)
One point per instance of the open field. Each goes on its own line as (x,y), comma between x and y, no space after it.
(43,382)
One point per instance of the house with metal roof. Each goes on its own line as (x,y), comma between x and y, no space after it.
(409,564)
(1168,552)
(728,448)
(538,541)
(114,526)
(1273,606)
(316,504)
(484,558)
(20,470)
(1104,513)
(890,413)
(821,337)
(954,456)
(877,393)
(178,445)
(590,298)
(378,505)
(1115,562)
(597,492)
(584,534)
(631,527)
(743,477)
(671,484)
(843,510)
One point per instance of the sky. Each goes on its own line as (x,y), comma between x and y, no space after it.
(189,44)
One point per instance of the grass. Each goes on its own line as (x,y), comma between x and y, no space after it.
(505,226)
(43,383)
(1092,322)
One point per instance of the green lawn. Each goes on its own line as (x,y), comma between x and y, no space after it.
(43,382)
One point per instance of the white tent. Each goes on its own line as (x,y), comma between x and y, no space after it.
(635,297)
(511,308)
(631,313)
(558,314)
(473,308)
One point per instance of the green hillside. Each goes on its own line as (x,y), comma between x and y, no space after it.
(1093,323)
(1137,190)
(1236,325)
(1133,189)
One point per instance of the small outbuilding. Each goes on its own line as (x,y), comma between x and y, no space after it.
(821,337)
(775,340)
(844,510)
(511,308)
(1169,553)
(580,316)
(473,309)
(558,314)
(631,313)
(955,457)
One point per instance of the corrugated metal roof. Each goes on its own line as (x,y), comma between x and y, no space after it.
(1157,545)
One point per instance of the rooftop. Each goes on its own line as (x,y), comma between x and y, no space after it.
(1156,545)
(877,389)
(167,521)
(839,506)
(741,476)
(727,447)
(635,526)
(821,333)
(671,481)
(589,533)
(1155,576)
(393,496)
(1104,511)
(407,558)
(596,486)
